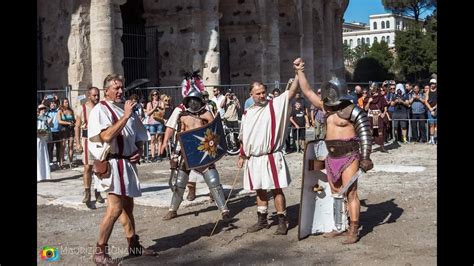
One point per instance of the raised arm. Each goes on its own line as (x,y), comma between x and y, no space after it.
(314,99)
(293,87)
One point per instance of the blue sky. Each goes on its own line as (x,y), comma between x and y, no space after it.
(360,10)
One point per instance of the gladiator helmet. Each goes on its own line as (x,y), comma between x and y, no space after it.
(194,102)
(334,92)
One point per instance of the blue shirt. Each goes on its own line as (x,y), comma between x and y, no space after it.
(248,103)
(417,106)
(53,113)
(390,97)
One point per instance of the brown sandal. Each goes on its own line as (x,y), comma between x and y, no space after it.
(170,215)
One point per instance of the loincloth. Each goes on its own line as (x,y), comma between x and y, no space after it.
(341,154)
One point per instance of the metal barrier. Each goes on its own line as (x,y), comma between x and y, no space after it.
(60,93)
(409,127)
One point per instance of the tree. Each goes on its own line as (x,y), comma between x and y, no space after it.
(412,8)
(416,52)
(381,53)
(347,53)
(370,69)
(361,51)
(430,43)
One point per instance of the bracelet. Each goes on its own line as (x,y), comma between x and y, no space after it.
(244,157)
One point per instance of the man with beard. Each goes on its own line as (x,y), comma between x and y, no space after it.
(376,107)
(117,135)
(81,128)
(262,135)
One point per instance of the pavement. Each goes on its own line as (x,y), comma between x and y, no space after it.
(65,188)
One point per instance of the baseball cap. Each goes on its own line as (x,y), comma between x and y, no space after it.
(205,93)
(42,106)
(433,81)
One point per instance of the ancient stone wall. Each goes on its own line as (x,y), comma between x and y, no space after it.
(234,41)
(55,18)
(239,25)
(290,36)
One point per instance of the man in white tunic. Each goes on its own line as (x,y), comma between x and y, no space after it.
(262,135)
(82,143)
(116,134)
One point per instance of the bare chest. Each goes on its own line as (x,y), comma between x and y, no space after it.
(190,122)
(335,121)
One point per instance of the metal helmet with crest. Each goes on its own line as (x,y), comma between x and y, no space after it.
(193,101)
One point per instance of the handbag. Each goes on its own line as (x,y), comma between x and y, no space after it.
(159,116)
(102,169)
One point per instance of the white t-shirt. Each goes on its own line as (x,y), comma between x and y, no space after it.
(218,100)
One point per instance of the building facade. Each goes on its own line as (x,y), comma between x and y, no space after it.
(382,27)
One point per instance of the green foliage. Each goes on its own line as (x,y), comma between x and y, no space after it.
(417,50)
(381,53)
(361,51)
(412,8)
(373,63)
(347,53)
(370,69)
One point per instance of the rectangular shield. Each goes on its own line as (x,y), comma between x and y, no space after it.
(316,213)
(203,146)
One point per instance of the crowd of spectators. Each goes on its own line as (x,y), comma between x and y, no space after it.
(411,111)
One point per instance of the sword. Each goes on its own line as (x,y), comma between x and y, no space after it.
(344,189)
(339,200)
(172,182)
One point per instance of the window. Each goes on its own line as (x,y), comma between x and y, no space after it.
(367,40)
(375,25)
(375,39)
(383,38)
(387,24)
(363,40)
(350,43)
(345,42)
(383,24)
(358,41)
(388,39)
(399,27)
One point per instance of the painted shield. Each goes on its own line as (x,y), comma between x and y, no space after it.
(316,214)
(203,146)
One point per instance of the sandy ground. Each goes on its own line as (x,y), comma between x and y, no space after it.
(398,218)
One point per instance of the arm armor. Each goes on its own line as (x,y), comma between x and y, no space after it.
(362,127)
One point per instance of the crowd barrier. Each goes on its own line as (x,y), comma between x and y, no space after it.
(293,140)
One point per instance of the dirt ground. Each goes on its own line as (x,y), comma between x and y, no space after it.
(398,222)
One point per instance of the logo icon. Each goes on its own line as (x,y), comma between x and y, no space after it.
(49,254)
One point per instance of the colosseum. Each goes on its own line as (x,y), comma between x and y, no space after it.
(228,41)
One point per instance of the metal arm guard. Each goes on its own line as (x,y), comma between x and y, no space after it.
(362,127)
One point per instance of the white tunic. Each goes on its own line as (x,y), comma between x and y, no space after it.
(42,160)
(100,118)
(262,133)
